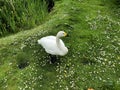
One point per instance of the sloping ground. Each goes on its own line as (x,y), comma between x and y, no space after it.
(93,60)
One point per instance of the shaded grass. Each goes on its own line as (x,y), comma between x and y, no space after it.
(93,58)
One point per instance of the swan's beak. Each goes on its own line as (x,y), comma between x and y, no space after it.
(65,34)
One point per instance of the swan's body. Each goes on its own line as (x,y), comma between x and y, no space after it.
(53,44)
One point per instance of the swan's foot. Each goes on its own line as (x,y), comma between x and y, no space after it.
(53,58)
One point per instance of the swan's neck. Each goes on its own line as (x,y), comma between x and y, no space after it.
(58,42)
(63,49)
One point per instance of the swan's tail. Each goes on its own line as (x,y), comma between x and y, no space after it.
(39,41)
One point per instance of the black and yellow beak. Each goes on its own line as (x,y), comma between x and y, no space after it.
(65,34)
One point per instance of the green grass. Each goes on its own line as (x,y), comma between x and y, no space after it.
(93,59)
(17,15)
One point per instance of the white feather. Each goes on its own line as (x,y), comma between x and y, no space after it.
(52,45)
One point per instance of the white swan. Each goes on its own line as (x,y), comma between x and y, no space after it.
(53,44)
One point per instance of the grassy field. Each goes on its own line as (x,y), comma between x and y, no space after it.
(93,60)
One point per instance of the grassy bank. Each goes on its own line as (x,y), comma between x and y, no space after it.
(93,60)
(20,15)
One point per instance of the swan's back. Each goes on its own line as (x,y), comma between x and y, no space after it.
(45,39)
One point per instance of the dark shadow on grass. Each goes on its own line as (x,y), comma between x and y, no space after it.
(87,61)
(22,60)
(23,65)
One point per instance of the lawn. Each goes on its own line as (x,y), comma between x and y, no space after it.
(93,60)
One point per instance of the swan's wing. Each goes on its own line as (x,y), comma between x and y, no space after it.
(54,38)
(51,37)
(49,44)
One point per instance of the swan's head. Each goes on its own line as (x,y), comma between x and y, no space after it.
(61,34)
